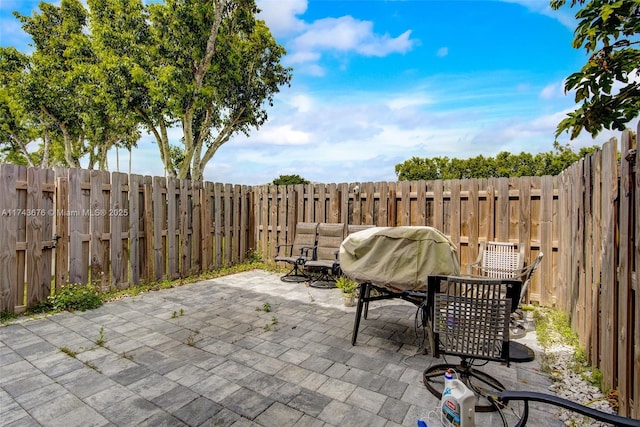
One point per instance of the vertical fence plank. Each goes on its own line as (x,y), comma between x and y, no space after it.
(118,245)
(625,230)
(356,213)
(245,223)
(438,204)
(172,227)
(217,214)
(62,232)
(148,218)
(608,347)
(21,243)
(367,197)
(227,223)
(635,374)
(333,205)
(382,217)
(235,223)
(470,219)
(35,291)
(79,206)
(159,227)
(502,210)
(596,254)
(8,239)
(320,203)
(48,230)
(98,228)
(524,215)
(134,224)
(578,300)
(421,203)
(454,206)
(588,245)
(206,213)
(262,205)
(196,227)
(184,229)
(546,237)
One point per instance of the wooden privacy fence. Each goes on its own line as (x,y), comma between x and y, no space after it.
(112,229)
(116,230)
(597,277)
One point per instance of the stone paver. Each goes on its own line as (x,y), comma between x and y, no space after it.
(209,354)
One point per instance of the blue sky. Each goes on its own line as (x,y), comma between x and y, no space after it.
(377,82)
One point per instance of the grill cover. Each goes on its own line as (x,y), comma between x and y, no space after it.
(398,258)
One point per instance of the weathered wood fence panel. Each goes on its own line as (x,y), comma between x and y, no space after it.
(112,230)
(597,270)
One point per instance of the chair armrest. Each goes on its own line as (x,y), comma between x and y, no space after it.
(304,252)
(470,267)
(518,273)
(527,396)
(284,246)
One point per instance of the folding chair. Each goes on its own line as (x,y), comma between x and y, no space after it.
(300,251)
(470,320)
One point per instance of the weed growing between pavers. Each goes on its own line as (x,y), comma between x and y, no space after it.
(191,339)
(101,340)
(177,313)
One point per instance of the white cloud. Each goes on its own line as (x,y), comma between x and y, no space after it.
(346,34)
(284,135)
(565,15)
(443,51)
(405,101)
(302,102)
(553,90)
(281,16)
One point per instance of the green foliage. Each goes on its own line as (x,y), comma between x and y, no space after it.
(289,180)
(553,327)
(503,165)
(100,341)
(97,75)
(60,93)
(347,286)
(72,297)
(607,86)
(69,352)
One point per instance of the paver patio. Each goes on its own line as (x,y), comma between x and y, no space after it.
(208,354)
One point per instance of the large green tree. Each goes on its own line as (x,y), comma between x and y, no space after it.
(208,66)
(58,96)
(608,85)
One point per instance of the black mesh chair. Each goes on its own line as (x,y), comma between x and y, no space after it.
(470,320)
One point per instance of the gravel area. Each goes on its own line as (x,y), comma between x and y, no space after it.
(573,386)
